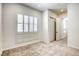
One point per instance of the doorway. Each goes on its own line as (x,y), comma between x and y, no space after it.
(52,29)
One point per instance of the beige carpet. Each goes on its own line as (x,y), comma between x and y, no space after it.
(55,48)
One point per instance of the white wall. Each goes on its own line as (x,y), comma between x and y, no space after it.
(11,37)
(46,27)
(0,26)
(73,25)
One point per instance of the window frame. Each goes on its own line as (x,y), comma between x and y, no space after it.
(27,24)
(35,25)
(19,23)
(31,24)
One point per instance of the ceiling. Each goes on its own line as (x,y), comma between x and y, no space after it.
(59,11)
(55,7)
(43,6)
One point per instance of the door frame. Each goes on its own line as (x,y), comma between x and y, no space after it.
(54,27)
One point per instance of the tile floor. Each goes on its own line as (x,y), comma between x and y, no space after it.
(55,48)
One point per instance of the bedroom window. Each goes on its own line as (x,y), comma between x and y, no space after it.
(26,23)
(35,24)
(31,23)
(20,23)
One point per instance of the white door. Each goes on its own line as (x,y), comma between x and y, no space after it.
(51,29)
(58,29)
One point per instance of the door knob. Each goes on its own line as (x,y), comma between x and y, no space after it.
(56,32)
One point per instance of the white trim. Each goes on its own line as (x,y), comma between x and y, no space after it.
(73,46)
(1,51)
(23,44)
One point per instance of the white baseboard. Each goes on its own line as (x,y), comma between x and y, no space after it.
(23,44)
(1,52)
(73,46)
